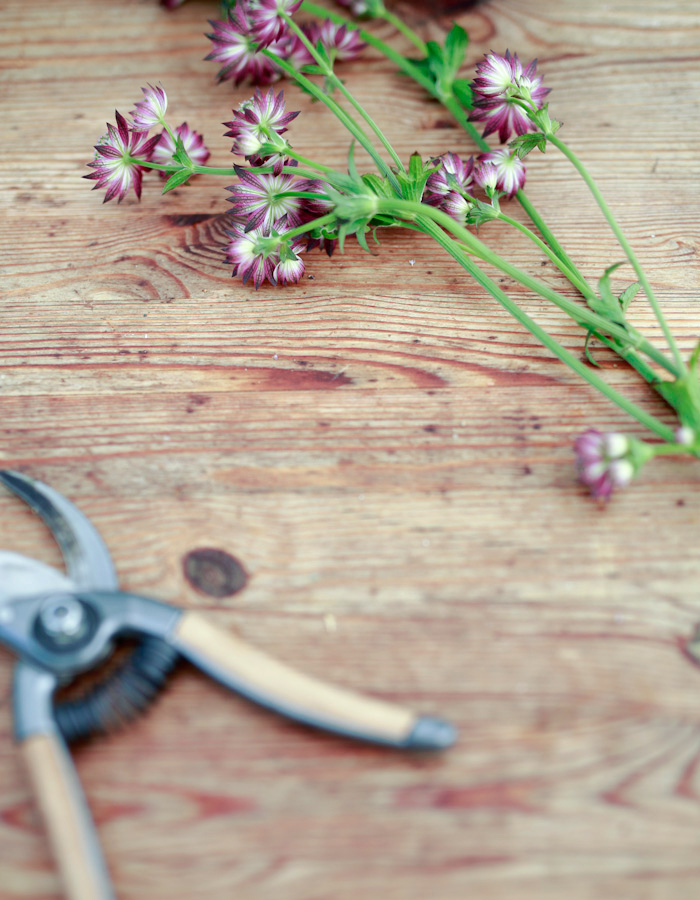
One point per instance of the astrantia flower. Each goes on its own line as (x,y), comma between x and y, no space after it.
(267,19)
(263,199)
(151,110)
(235,46)
(194,145)
(454,173)
(248,262)
(117,158)
(291,48)
(341,42)
(259,121)
(510,170)
(486,175)
(290,269)
(500,89)
(604,462)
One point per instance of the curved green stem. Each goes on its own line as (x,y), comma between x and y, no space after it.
(404,29)
(451,104)
(572,275)
(338,84)
(568,358)
(581,315)
(623,242)
(341,114)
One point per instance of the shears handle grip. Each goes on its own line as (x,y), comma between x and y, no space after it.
(57,789)
(248,671)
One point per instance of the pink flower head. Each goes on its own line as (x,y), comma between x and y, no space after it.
(194,145)
(454,173)
(235,46)
(603,461)
(248,261)
(341,42)
(151,110)
(261,200)
(510,171)
(259,121)
(500,90)
(486,175)
(268,24)
(291,48)
(117,156)
(290,269)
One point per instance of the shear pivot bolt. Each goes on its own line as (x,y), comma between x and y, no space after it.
(63,619)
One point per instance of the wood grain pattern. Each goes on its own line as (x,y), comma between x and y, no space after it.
(389,458)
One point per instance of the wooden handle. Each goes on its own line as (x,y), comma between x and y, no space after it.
(68,821)
(241,667)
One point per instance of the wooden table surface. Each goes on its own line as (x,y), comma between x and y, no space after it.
(388,457)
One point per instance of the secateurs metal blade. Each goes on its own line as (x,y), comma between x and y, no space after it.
(61,625)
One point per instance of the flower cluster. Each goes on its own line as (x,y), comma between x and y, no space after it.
(604,461)
(452,185)
(252,27)
(270,200)
(259,123)
(122,154)
(503,94)
(118,158)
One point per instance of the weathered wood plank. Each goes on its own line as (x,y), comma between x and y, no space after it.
(388,457)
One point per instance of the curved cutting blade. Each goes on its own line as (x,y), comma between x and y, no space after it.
(86,557)
(21,577)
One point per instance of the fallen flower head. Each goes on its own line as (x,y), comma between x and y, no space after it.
(117,159)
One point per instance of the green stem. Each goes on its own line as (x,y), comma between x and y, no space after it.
(572,276)
(341,114)
(404,29)
(451,104)
(338,85)
(622,240)
(581,315)
(309,226)
(565,356)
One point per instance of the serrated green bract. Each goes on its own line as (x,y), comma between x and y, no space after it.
(177,179)
(526,143)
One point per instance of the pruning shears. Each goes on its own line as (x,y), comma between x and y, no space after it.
(61,625)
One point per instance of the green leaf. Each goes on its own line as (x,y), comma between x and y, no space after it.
(352,168)
(463,92)
(683,395)
(455,48)
(180,177)
(587,351)
(180,155)
(378,185)
(528,142)
(628,295)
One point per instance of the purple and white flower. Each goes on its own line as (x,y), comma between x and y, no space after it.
(454,174)
(117,157)
(604,463)
(268,22)
(248,260)
(263,199)
(236,47)
(192,141)
(501,90)
(509,168)
(290,269)
(341,42)
(151,110)
(259,121)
